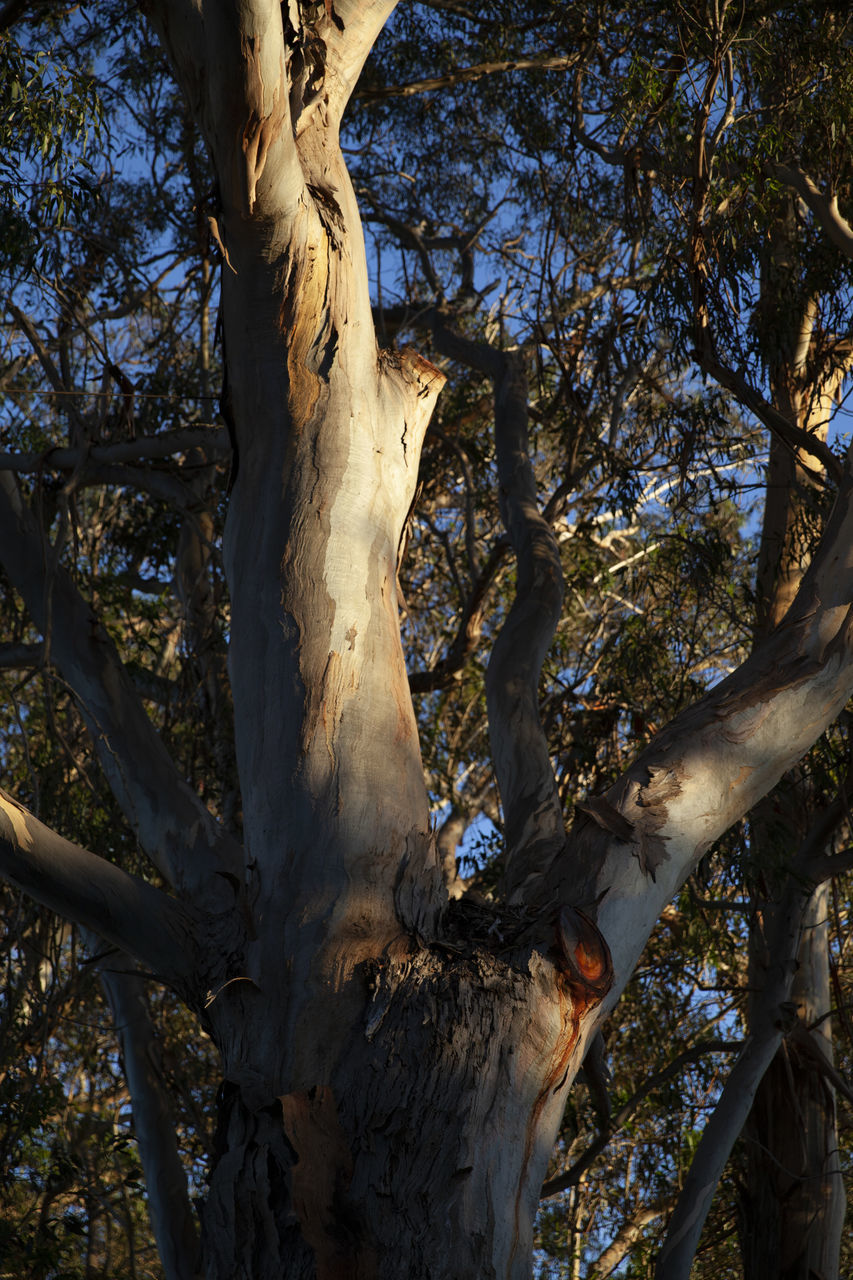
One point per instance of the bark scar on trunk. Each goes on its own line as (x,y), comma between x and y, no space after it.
(583,975)
(585,959)
(304,319)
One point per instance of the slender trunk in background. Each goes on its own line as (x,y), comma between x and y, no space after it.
(792,1199)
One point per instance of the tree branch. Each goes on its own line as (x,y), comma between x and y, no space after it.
(468,630)
(54,377)
(214,440)
(532,811)
(633,847)
(80,886)
(804,443)
(464,75)
(769,1023)
(572,1176)
(348,46)
(245,108)
(179,835)
(825,208)
(180,28)
(626,1237)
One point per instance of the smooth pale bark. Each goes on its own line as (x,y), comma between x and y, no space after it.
(168,1201)
(345,873)
(824,207)
(533,817)
(532,810)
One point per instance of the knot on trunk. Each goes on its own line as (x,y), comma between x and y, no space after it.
(584,955)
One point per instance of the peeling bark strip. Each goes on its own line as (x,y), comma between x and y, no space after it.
(635,814)
(454,1141)
(305,323)
(262,127)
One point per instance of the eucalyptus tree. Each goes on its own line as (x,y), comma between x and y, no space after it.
(396,1048)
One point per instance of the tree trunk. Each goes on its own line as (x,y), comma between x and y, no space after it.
(793,1201)
(421,1150)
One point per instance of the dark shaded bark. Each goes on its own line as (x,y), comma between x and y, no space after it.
(424,1152)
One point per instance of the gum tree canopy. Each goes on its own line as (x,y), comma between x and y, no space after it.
(659,203)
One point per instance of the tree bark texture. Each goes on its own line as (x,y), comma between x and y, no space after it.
(422,1152)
